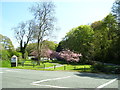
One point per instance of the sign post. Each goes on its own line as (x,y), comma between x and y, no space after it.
(14,62)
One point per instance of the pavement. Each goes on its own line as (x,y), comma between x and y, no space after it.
(21,78)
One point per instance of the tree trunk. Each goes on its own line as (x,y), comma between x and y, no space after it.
(38,49)
(22,49)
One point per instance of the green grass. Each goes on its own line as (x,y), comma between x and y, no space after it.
(28,64)
(42,65)
(75,67)
(5,63)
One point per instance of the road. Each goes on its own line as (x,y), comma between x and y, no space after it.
(20,78)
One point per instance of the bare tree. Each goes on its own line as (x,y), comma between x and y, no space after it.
(44,16)
(24,34)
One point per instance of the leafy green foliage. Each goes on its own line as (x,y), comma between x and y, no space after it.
(80,40)
(105,34)
(7,49)
(45,45)
(49,44)
(116,10)
(6,43)
(31,47)
(5,63)
(4,55)
(59,47)
(98,42)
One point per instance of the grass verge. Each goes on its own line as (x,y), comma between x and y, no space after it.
(28,64)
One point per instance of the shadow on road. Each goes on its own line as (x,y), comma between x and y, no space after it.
(93,75)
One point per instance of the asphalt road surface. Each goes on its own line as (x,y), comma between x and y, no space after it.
(20,78)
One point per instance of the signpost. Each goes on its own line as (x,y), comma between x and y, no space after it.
(14,61)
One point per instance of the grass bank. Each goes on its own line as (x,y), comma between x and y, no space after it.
(28,64)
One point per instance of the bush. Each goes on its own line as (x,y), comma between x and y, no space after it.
(4,54)
(117,70)
(98,68)
(18,54)
(5,63)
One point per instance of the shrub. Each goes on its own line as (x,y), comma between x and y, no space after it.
(69,56)
(98,68)
(4,54)
(18,54)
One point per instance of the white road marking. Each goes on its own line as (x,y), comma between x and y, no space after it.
(1,72)
(105,84)
(38,82)
(50,79)
(50,86)
(11,71)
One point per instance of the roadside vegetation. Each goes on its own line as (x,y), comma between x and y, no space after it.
(50,65)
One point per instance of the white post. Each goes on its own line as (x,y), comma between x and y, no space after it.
(16,62)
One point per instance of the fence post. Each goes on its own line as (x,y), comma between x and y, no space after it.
(84,68)
(54,67)
(22,63)
(64,67)
(44,66)
(74,67)
(33,65)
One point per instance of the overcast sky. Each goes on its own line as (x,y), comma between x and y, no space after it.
(69,14)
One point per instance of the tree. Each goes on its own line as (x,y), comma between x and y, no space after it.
(49,44)
(46,44)
(6,43)
(116,10)
(105,33)
(31,47)
(69,56)
(59,47)
(116,13)
(4,55)
(96,25)
(44,16)
(45,52)
(6,48)
(24,34)
(80,40)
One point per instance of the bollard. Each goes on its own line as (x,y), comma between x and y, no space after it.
(54,67)
(74,67)
(44,66)
(33,65)
(64,67)
(23,63)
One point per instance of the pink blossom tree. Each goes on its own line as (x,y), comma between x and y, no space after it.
(69,56)
(66,55)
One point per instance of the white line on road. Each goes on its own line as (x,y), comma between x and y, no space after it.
(50,79)
(1,72)
(105,84)
(50,86)
(12,71)
(38,82)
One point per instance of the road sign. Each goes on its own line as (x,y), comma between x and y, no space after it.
(14,61)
